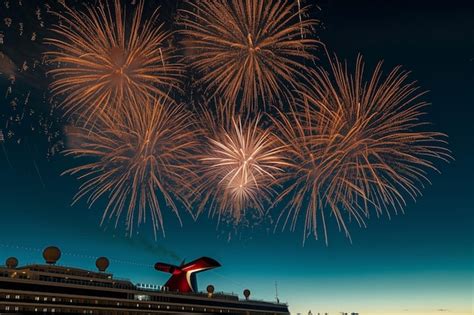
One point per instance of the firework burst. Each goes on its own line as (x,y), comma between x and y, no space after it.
(139,162)
(248,52)
(356,145)
(103,60)
(239,165)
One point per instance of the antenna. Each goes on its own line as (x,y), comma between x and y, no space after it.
(276,292)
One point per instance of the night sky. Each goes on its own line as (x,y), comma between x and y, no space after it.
(420,262)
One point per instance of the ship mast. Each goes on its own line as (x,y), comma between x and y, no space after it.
(276,292)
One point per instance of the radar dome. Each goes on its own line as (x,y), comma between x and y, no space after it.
(51,255)
(210,289)
(11,262)
(247,294)
(102,264)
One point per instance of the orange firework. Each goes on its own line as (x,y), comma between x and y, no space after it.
(140,161)
(240,162)
(103,60)
(249,52)
(356,145)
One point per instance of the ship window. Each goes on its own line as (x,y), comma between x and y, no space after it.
(37,298)
(142,297)
(53,310)
(45,299)
(53,299)
(7,296)
(36,310)
(7,308)
(17,297)
(17,308)
(45,310)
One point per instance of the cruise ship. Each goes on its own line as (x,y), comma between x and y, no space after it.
(50,288)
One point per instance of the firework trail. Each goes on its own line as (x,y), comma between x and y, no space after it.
(239,164)
(356,146)
(250,52)
(104,62)
(140,162)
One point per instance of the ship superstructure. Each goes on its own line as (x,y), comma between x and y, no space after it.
(49,288)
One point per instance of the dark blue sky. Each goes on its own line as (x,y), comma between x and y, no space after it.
(418,263)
